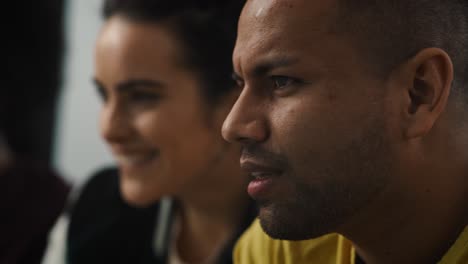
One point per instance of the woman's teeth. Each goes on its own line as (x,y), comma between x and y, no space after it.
(133,159)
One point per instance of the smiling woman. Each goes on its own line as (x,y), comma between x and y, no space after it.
(163,72)
(150,102)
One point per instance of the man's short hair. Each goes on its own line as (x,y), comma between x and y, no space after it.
(391,31)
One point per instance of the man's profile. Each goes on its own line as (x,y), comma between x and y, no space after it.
(353,119)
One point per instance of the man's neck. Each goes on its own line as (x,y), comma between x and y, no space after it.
(415,228)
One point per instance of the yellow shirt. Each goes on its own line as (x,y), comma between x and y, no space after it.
(255,247)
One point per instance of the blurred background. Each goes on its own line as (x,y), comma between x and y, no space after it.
(48,113)
(78,149)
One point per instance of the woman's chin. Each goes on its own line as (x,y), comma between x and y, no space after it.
(138,194)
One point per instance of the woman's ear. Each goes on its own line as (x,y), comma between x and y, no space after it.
(427,90)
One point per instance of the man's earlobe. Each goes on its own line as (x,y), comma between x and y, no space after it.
(432,71)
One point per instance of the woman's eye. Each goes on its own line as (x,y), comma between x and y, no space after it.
(101,94)
(144,97)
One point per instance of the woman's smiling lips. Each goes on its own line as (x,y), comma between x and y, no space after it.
(131,160)
(262,177)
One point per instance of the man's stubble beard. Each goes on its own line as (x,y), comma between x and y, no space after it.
(347,182)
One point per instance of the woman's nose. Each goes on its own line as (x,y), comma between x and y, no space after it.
(115,123)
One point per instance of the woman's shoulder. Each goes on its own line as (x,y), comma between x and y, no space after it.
(103,184)
(103,228)
(100,198)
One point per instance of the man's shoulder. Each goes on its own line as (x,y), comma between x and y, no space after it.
(255,246)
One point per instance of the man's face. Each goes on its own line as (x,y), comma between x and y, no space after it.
(312,120)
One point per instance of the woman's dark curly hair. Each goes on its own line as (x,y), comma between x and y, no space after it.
(206,30)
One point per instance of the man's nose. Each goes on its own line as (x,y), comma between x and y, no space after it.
(246,121)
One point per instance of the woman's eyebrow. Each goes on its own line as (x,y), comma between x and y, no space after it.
(131,84)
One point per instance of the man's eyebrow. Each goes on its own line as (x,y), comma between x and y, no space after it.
(269,64)
(131,84)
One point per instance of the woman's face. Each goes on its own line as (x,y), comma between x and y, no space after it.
(153,116)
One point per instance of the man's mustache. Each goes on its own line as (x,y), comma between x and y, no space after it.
(260,154)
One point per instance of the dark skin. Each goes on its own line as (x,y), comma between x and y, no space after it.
(342,149)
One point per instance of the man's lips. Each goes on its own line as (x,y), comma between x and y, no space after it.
(262,177)
(258,170)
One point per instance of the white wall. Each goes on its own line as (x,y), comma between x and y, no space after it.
(79,150)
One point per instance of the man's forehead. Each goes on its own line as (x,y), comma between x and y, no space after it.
(266,17)
(271,24)
(260,8)
(268,9)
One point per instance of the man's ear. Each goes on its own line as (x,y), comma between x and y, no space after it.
(430,79)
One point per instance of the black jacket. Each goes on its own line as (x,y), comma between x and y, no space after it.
(32,196)
(104,229)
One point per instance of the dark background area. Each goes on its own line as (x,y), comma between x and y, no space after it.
(34,39)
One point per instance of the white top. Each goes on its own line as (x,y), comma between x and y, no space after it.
(174,256)
(162,225)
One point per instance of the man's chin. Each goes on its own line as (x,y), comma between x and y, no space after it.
(274,223)
(287,225)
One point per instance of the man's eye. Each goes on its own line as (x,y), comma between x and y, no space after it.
(240,84)
(238,80)
(282,81)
